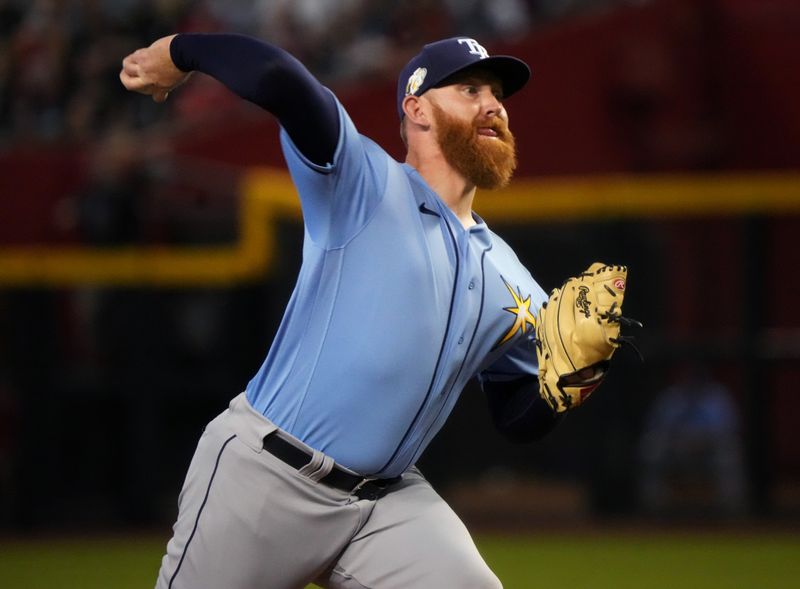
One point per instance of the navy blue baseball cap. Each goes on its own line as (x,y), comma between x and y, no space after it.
(440,60)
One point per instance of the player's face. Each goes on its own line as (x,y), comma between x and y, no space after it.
(472,130)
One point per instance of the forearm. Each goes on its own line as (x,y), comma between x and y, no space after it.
(518,411)
(271,78)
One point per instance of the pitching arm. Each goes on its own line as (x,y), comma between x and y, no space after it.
(254,70)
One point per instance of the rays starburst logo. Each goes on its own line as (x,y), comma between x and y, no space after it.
(521,310)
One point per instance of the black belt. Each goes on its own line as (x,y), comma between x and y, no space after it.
(361,487)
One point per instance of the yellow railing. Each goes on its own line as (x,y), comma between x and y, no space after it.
(619,196)
(268,196)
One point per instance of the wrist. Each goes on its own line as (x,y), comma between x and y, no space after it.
(178,53)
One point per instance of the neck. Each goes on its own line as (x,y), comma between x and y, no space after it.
(454,190)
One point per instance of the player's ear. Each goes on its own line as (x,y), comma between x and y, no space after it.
(414,111)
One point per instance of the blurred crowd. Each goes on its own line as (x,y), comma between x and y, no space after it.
(691,449)
(59,59)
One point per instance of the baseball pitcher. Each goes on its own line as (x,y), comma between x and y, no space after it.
(404,295)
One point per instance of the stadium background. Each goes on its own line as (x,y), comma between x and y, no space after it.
(146,254)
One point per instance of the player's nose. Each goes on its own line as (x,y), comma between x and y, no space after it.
(492,105)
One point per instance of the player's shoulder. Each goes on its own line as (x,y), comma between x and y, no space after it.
(375,151)
(356,157)
(506,260)
(503,257)
(349,131)
(501,247)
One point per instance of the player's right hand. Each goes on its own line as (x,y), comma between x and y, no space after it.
(151,71)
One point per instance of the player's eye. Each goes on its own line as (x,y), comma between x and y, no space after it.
(471,89)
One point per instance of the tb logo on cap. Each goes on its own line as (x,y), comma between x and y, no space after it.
(475,48)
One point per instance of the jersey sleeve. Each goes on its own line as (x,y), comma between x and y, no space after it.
(518,361)
(338,198)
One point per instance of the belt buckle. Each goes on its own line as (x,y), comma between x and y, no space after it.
(366,489)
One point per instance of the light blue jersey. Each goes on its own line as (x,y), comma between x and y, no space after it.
(396,307)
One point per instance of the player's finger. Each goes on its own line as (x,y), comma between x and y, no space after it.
(160,95)
(130,67)
(136,84)
(130,82)
(125,78)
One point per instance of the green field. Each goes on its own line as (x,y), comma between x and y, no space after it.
(575,561)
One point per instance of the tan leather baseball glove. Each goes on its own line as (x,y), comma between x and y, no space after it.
(577,333)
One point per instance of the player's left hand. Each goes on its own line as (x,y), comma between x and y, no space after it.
(577,332)
(151,71)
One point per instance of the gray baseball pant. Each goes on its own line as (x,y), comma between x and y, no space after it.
(247,520)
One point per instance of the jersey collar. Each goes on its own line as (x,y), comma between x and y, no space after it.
(429,202)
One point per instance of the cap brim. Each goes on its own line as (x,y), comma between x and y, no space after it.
(513,73)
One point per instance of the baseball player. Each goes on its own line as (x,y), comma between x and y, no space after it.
(403,296)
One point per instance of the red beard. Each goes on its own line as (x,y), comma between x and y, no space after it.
(485,162)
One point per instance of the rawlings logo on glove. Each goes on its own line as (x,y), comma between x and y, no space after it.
(577,333)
